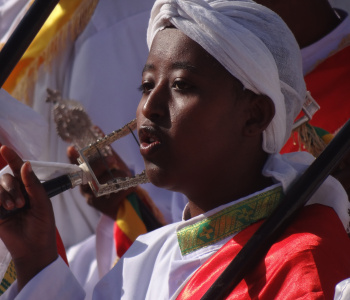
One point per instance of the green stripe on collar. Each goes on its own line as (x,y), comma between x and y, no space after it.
(228,221)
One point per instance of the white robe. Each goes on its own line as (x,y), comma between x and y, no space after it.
(153,267)
(102,70)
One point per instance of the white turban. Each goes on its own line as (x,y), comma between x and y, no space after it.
(252,43)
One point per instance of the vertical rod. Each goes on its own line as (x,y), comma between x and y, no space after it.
(296,197)
(23,35)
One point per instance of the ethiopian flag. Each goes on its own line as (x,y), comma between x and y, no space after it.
(136,215)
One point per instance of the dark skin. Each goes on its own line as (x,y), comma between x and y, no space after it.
(30,235)
(209,146)
(310,21)
(200,134)
(199,143)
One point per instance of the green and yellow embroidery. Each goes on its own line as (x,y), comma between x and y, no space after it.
(9,278)
(228,221)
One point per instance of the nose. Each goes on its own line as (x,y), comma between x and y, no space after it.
(154,104)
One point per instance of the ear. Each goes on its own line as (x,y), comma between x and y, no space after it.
(261,112)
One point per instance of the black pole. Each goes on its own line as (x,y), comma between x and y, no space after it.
(18,43)
(23,35)
(52,187)
(296,197)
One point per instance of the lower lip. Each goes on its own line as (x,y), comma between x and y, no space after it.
(149,149)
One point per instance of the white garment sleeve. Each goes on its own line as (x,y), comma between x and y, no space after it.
(55,282)
(342,290)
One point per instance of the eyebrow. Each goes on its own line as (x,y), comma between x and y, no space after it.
(148,67)
(176,65)
(184,65)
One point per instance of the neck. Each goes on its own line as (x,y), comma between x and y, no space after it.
(196,208)
(233,186)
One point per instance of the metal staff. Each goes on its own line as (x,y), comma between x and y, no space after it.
(23,35)
(296,197)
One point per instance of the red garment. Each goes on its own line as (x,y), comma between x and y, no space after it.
(329,84)
(60,247)
(3,163)
(310,258)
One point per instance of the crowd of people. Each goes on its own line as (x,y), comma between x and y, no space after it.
(221,157)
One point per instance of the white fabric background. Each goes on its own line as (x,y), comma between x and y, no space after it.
(102,70)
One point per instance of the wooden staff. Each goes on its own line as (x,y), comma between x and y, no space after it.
(296,197)
(23,35)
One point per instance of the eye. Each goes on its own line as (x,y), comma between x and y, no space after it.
(181,85)
(146,87)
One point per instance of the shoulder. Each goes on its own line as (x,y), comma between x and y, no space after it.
(313,250)
(316,234)
(318,223)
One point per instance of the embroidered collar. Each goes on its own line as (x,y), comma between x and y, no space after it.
(228,221)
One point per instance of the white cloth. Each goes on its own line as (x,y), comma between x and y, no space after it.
(93,258)
(21,128)
(278,167)
(11,12)
(48,170)
(102,70)
(5,259)
(317,52)
(153,267)
(18,123)
(342,290)
(252,43)
(62,287)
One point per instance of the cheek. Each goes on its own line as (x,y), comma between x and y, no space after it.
(211,129)
(186,110)
(186,121)
(189,130)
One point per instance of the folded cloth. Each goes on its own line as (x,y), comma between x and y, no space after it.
(20,125)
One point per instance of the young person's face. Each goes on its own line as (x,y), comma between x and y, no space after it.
(190,121)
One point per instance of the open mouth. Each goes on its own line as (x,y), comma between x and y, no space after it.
(149,139)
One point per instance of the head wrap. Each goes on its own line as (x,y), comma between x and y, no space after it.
(252,43)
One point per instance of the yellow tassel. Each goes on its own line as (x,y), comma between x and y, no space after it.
(308,138)
(21,85)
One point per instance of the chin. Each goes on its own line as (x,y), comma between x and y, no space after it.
(159,177)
